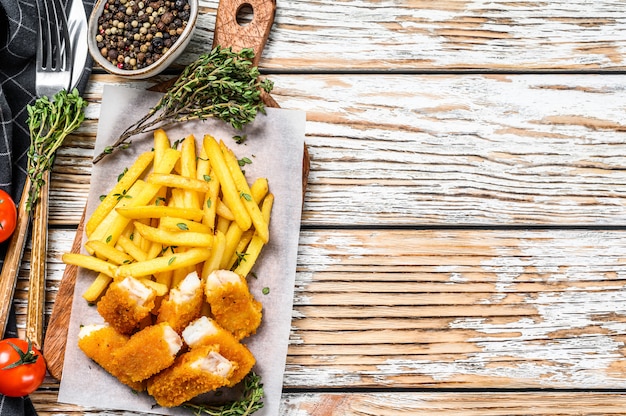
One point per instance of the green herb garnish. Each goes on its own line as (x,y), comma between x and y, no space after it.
(49,123)
(221,84)
(250,402)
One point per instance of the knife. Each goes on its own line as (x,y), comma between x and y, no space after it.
(56,331)
(77,22)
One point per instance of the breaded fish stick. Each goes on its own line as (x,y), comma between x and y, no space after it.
(184,303)
(126,303)
(148,351)
(232,305)
(205,331)
(98,342)
(198,371)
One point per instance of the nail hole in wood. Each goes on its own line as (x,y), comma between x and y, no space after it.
(245,14)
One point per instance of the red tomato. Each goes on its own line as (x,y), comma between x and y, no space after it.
(8,216)
(22,367)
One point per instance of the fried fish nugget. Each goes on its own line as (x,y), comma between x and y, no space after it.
(184,303)
(195,372)
(99,342)
(126,303)
(148,351)
(232,305)
(205,331)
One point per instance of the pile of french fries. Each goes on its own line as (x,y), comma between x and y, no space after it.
(175,211)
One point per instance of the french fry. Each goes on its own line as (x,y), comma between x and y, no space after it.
(222,225)
(256,244)
(217,252)
(230,194)
(233,236)
(181,224)
(243,189)
(162,264)
(131,248)
(122,186)
(188,169)
(157,211)
(240,250)
(159,288)
(161,143)
(97,287)
(180,238)
(170,157)
(223,211)
(114,255)
(178,181)
(102,230)
(210,202)
(89,262)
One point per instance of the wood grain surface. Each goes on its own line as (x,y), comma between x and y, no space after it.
(462,247)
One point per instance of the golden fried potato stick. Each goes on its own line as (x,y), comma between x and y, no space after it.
(230,194)
(89,262)
(256,244)
(161,143)
(97,287)
(122,186)
(160,211)
(217,252)
(102,230)
(131,248)
(182,224)
(164,263)
(175,238)
(178,181)
(142,198)
(188,169)
(103,250)
(250,204)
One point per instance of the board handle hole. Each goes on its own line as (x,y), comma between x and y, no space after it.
(245,14)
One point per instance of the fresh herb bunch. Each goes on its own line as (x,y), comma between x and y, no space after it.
(221,84)
(49,122)
(251,401)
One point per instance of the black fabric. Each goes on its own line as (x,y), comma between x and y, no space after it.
(18,43)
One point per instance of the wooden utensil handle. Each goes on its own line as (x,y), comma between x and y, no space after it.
(37,277)
(13,258)
(56,333)
(230,32)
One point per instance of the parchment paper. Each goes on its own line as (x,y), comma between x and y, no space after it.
(275,145)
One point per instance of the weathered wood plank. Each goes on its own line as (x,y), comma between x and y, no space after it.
(553,403)
(437,150)
(443,35)
(447,308)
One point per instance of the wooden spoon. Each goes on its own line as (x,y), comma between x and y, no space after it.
(228,32)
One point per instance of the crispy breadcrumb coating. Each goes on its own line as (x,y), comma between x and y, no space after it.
(205,331)
(148,351)
(195,372)
(184,303)
(126,303)
(232,305)
(98,342)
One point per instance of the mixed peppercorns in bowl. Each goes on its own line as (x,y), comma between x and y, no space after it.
(140,38)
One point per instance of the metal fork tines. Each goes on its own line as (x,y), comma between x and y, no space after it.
(54,52)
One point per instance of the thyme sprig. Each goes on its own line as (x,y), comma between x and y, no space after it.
(49,122)
(251,401)
(221,84)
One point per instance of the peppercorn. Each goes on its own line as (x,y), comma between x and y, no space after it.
(133,34)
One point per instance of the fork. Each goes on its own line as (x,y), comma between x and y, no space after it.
(53,73)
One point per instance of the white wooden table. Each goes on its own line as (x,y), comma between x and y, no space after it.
(463,241)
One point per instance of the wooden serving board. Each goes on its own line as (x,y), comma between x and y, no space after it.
(228,32)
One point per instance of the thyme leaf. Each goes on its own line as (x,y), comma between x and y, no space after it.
(49,122)
(250,402)
(221,84)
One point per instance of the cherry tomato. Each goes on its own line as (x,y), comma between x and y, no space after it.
(8,216)
(22,367)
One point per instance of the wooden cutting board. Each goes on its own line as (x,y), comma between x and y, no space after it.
(228,32)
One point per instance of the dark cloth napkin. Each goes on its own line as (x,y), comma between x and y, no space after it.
(18,43)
